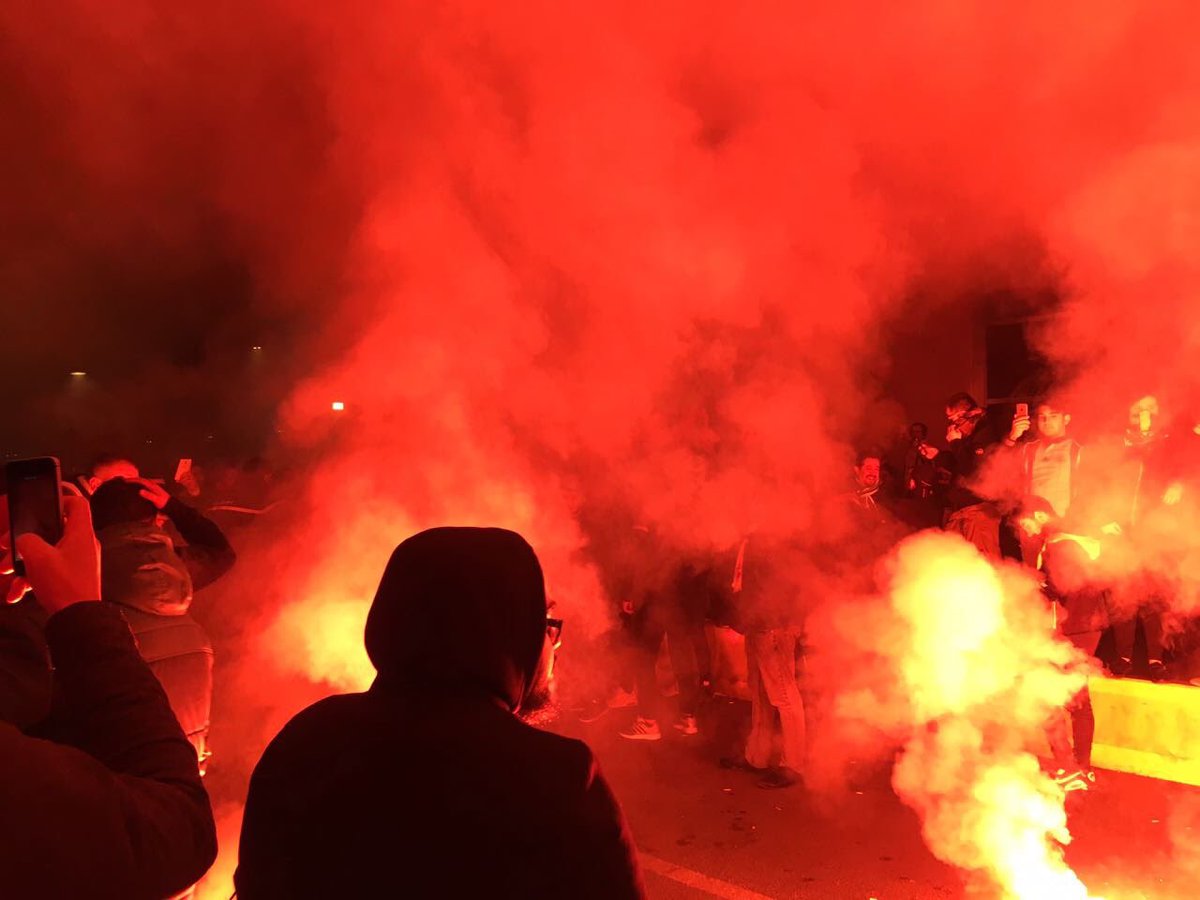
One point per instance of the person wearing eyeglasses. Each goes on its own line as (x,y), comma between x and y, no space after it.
(433,783)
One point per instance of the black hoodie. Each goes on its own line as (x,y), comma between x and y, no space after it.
(428,784)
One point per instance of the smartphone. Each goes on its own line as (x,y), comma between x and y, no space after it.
(1022,410)
(34,501)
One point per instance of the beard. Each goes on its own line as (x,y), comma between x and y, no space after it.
(540,706)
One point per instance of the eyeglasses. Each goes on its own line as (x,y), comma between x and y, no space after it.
(554,628)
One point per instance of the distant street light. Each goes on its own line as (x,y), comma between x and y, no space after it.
(256,347)
(338,406)
(79,374)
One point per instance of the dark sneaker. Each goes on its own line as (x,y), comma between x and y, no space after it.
(1120,667)
(1158,670)
(642,730)
(686,725)
(778,778)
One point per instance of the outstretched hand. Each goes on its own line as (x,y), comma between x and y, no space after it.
(1020,426)
(68,572)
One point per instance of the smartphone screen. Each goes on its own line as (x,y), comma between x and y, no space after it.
(1022,409)
(34,502)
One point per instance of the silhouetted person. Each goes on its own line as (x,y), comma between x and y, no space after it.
(660,609)
(114,806)
(1146,473)
(1048,466)
(1080,615)
(864,501)
(429,784)
(918,475)
(970,437)
(764,604)
(919,494)
(153,582)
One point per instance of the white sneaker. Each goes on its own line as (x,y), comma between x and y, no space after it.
(686,725)
(643,730)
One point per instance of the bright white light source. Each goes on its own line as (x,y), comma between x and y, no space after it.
(256,347)
(78,374)
(338,406)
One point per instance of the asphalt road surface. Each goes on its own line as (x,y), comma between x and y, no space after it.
(705,831)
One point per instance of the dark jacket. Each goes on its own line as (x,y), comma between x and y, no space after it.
(772,578)
(207,552)
(25,676)
(121,811)
(180,655)
(428,784)
(963,458)
(1070,581)
(153,581)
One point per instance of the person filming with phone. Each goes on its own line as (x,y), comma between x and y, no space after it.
(115,807)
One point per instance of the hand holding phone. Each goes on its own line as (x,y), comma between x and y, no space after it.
(67,573)
(1021,422)
(34,502)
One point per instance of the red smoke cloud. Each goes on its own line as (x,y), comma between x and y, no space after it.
(550,254)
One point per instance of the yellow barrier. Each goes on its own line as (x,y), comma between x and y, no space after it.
(1147,729)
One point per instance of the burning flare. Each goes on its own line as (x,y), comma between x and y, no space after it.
(979,674)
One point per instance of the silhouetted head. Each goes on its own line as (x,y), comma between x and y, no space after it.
(107,466)
(959,406)
(461,610)
(120,502)
(963,413)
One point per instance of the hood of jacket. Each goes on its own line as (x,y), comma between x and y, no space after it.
(460,610)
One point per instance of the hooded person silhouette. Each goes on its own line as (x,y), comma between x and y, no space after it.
(430,783)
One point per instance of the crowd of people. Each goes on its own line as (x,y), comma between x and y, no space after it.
(106,678)
(1018,487)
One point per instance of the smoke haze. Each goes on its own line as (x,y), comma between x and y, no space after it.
(557,259)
